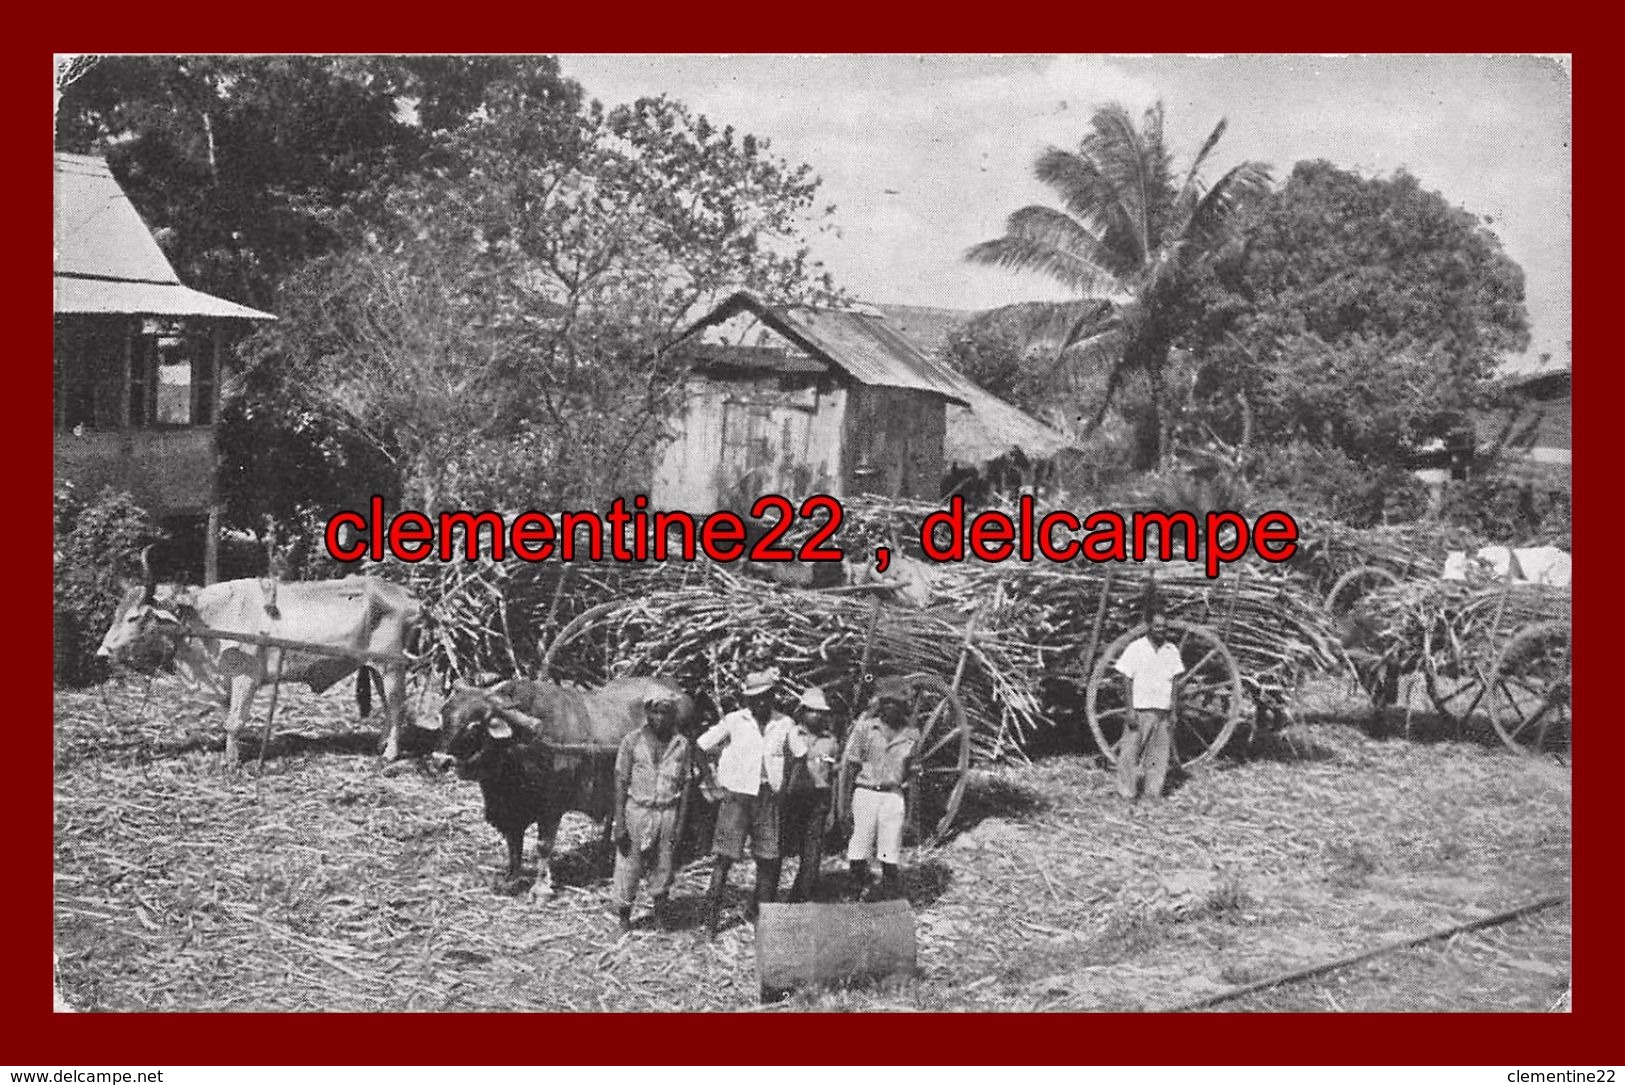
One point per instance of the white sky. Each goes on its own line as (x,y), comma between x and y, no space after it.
(924,156)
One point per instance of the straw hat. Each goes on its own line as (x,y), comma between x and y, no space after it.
(758,682)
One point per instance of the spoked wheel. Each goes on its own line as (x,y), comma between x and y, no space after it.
(1209,693)
(1529,698)
(1354,585)
(943,756)
(1456,681)
(1374,670)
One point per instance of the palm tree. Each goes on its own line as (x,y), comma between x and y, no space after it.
(1126,239)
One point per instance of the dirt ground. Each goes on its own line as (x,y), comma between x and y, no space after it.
(330,884)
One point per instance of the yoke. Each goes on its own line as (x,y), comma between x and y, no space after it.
(265,640)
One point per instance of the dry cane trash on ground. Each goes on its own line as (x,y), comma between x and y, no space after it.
(331,885)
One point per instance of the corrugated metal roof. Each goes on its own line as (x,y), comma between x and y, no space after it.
(929,328)
(868,344)
(870,350)
(98,231)
(857,343)
(109,297)
(106,258)
(989,427)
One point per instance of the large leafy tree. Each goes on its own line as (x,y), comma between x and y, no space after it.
(473,267)
(495,330)
(243,163)
(1364,315)
(1127,238)
(248,168)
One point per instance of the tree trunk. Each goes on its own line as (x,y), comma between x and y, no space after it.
(1159,408)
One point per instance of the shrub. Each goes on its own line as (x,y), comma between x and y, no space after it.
(98,545)
(1506,510)
(1308,479)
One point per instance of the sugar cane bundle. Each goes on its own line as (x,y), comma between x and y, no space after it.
(1273,628)
(1400,622)
(710,633)
(1327,549)
(485,616)
(1006,631)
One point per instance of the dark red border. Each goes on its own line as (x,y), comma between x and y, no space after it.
(34,1035)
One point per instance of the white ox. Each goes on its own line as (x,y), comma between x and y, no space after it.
(1546,565)
(365,619)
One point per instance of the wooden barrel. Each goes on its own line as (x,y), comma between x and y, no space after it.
(833,945)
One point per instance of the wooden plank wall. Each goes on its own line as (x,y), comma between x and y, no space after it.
(170,472)
(739,438)
(894,441)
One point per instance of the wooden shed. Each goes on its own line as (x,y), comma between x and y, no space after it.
(138,360)
(797,400)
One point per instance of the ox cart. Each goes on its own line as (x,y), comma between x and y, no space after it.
(1247,639)
(286,650)
(978,661)
(1498,649)
(847,664)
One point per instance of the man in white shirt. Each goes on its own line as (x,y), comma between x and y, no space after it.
(1150,667)
(750,745)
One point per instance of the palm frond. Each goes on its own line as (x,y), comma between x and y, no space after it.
(1040,257)
(1212,141)
(1213,217)
(1158,171)
(1047,327)
(1136,164)
(1099,351)
(1095,199)
(1118,151)
(1052,227)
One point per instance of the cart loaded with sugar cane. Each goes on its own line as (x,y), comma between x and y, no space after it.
(708,633)
(1347,566)
(1491,648)
(997,653)
(1247,638)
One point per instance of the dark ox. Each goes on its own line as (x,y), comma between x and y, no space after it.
(356,614)
(539,751)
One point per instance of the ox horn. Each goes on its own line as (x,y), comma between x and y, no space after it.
(149,582)
(508,713)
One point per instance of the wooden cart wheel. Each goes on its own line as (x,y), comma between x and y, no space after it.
(1454,678)
(1354,585)
(944,755)
(1377,674)
(572,629)
(1209,690)
(1529,697)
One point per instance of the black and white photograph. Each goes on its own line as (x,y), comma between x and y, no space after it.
(840,532)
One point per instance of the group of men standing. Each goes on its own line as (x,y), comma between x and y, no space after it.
(776,780)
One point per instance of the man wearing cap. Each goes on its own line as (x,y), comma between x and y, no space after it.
(750,745)
(875,769)
(651,770)
(813,759)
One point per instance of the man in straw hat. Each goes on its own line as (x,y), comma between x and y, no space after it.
(750,746)
(651,770)
(813,754)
